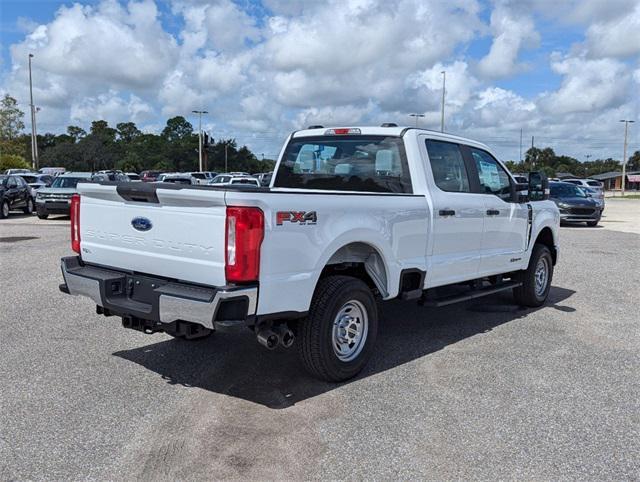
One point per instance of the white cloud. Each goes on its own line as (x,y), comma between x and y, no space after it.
(119,46)
(512,31)
(110,107)
(588,85)
(619,37)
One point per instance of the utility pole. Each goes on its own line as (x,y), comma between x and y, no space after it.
(416,117)
(444,83)
(34,135)
(587,156)
(199,112)
(226,143)
(521,145)
(624,155)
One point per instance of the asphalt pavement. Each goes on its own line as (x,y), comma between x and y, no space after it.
(482,390)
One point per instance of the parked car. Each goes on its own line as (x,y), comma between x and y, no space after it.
(228,179)
(52,171)
(597,195)
(355,216)
(113,176)
(36,181)
(11,172)
(575,204)
(589,183)
(150,176)
(198,177)
(520,179)
(133,177)
(14,194)
(56,199)
(178,178)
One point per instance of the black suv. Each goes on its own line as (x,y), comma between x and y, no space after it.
(575,204)
(14,194)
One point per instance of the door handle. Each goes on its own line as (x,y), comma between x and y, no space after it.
(493,212)
(447,212)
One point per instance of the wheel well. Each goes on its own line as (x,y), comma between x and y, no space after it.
(546,237)
(362,261)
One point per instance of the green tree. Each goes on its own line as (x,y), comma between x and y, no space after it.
(101,129)
(76,133)
(127,131)
(11,123)
(633,164)
(177,128)
(11,161)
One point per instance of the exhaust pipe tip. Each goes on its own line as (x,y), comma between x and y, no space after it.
(286,336)
(268,339)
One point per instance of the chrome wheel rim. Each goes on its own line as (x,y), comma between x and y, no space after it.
(541,276)
(5,209)
(350,329)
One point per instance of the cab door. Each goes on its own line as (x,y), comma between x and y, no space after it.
(505,222)
(458,215)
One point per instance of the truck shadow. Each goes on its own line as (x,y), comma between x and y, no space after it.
(234,364)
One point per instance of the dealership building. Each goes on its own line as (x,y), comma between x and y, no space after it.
(613,180)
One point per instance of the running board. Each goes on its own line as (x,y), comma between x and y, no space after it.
(489,290)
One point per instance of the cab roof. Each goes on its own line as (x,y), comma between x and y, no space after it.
(397,131)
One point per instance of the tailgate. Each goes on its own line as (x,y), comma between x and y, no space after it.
(167,231)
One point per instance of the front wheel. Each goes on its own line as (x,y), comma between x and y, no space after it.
(336,339)
(4,210)
(536,279)
(28,209)
(593,224)
(42,216)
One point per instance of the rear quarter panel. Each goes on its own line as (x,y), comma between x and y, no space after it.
(293,254)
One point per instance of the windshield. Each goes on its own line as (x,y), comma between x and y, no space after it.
(67,182)
(3,180)
(345,163)
(198,175)
(567,190)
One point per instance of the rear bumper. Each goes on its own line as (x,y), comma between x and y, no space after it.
(157,299)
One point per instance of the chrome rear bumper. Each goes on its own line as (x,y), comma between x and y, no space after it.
(157,299)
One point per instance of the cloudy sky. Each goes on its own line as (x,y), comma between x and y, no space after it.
(564,71)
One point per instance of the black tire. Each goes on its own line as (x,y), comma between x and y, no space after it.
(529,294)
(316,332)
(28,209)
(42,216)
(4,210)
(593,224)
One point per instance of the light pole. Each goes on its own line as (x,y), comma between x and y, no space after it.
(199,112)
(624,155)
(34,138)
(444,83)
(416,116)
(587,156)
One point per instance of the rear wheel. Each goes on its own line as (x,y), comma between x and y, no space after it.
(4,210)
(336,339)
(28,209)
(536,279)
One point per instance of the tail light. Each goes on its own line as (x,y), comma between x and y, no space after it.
(244,234)
(75,223)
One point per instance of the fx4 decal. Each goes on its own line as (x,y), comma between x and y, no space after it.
(302,217)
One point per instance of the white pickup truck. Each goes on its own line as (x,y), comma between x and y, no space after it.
(353,215)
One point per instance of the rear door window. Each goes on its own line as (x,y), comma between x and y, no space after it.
(493,178)
(448,167)
(346,163)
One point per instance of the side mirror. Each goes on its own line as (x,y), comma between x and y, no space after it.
(538,186)
(519,192)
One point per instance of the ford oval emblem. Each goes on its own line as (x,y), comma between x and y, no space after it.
(141,224)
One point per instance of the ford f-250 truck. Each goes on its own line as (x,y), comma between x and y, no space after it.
(352,215)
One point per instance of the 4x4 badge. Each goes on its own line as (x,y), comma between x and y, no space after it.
(301,217)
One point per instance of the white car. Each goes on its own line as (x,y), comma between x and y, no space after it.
(229,179)
(354,216)
(590,183)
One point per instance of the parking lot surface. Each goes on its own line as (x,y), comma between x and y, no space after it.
(479,390)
